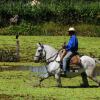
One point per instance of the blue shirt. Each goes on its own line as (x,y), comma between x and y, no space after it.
(72,44)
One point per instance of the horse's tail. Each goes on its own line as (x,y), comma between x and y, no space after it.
(97,61)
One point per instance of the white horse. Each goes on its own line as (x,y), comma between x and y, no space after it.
(52,56)
(14,20)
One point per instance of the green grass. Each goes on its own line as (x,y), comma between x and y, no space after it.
(14,64)
(18,85)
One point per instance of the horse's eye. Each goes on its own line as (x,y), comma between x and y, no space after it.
(39,50)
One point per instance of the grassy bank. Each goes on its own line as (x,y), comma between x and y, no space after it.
(87,45)
(20,85)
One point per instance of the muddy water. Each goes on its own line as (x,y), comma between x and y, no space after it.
(34,69)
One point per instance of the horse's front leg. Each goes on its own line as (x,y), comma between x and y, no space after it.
(58,79)
(43,77)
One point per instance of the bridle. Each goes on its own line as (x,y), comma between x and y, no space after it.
(41,54)
(43,58)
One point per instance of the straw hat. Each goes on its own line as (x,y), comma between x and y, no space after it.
(71,29)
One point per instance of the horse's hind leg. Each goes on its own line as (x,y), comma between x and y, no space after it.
(84,79)
(95,80)
(91,74)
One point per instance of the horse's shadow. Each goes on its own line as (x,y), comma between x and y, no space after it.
(93,86)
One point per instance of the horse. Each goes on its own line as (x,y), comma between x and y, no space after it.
(52,57)
(14,20)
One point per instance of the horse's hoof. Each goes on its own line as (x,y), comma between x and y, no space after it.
(99,85)
(84,85)
(59,86)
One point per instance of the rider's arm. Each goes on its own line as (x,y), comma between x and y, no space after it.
(70,44)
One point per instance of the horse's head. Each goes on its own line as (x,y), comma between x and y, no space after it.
(40,53)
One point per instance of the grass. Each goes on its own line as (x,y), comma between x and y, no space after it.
(20,85)
(5,64)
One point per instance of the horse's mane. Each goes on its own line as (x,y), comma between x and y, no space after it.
(50,48)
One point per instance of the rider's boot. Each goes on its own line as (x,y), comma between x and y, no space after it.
(63,74)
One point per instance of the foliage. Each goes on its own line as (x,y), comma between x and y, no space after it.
(66,12)
(50,29)
(32,19)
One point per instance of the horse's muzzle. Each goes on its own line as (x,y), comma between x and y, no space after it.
(36,60)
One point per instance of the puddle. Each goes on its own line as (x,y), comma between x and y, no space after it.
(40,69)
(34,69)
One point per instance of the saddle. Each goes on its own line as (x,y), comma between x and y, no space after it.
(74,60)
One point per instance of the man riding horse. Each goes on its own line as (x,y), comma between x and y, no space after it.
(69,50)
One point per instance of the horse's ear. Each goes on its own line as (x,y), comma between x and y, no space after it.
(39,43)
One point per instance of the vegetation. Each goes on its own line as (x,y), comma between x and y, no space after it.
(66,12)
(50,29)
(60,13)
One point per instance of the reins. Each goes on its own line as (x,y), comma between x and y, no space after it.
(44,57)
(54,56)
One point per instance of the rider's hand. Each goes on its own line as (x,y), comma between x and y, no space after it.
(63,46)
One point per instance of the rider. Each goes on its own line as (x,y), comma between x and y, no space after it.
(70,48)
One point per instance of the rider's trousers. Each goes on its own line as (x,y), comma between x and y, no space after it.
(65,60)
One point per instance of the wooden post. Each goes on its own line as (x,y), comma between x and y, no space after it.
(17,47)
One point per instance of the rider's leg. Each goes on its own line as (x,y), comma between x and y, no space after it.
(65,61)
